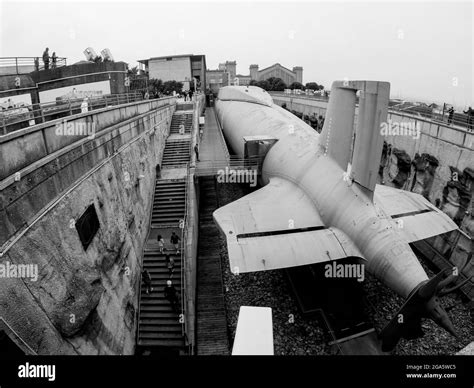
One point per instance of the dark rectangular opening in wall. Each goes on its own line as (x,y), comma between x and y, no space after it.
(9,348)
(87,226)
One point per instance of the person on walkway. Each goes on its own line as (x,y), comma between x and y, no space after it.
(170,265)
(161,243)
(54,59)
(175,239)
(37,64)
(196,151)
(147,281)
(321,123)
(470,118)
(46,58)
(172,296)
(450,115)
(85,105)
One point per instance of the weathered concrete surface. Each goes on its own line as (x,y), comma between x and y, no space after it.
(84,301)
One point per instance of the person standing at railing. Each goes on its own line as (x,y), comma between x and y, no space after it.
(196,151)
(85,105)
(450,115)
(470,118)
(54,58)
(321,123)
(46,58)
(37,64)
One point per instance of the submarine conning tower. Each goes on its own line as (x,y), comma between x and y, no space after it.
(351,152)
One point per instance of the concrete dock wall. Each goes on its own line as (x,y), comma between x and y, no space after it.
(84,300)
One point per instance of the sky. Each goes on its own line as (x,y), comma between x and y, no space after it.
(424,49)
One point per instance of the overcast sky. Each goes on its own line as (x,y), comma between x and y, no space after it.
(425,50)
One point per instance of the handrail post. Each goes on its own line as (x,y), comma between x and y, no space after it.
(42,113)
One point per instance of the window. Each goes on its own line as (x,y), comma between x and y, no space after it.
(87,226)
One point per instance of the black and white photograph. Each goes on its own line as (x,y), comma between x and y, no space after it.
(237,182)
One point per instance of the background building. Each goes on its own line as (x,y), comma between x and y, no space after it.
(181,68)
(288,76)
(226,74)
(216,79)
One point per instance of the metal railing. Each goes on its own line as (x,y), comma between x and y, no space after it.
(221,135)
(234,163)
(459,119)
(28,63)
(184,238)
(19,117)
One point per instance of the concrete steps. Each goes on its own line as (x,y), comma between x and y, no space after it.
(159,328)
(185,119)
(159,325)
(176,153)
(169,203)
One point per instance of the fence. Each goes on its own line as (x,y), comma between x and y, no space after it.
(184,237)
(460,119)
(232,165)
(24,65)
(20,117)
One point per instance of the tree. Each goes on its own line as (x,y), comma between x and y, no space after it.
(276,84)
(312,85)
(132,71)
(172,86)
(270,84)
(263,84)
(297,85)
(155,85)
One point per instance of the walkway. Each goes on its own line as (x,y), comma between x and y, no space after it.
(213,146)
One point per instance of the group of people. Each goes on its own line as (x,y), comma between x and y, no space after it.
(187,95)
(470,117)
(46,60)
(316,122)
(170,291)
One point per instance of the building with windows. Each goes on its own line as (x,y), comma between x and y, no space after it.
(288,76)
(216,79)
(181,68)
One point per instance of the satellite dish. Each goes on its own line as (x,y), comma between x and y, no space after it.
(107,55)
(90,54)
